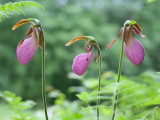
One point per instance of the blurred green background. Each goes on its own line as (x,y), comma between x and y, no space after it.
(63,20)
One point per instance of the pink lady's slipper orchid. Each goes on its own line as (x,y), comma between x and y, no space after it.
(27,48)
(133,48)
(82,61)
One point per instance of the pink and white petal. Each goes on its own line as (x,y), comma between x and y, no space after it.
(27,49)
(135,51)
(81,62)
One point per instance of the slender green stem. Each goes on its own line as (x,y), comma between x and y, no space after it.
(99,86)
(92,40)
(119,74)
(43,77)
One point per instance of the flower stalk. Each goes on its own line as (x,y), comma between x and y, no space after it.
(99,77)
(99,86)
(119,74)
(43,75)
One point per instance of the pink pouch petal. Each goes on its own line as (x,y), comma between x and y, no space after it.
(81,62)
(135,51)
(27,49)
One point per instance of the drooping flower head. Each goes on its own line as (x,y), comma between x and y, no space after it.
(27,48)
(82,61)
(133,48)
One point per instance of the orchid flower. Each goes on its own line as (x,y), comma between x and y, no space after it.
(27,48)
(133,48)
(82,61)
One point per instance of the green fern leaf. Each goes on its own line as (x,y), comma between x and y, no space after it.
(16,7)
(11,7)
(4,7)
(24,4)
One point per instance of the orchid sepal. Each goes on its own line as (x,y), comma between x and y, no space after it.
(76,39)
(79,38)
(96,44)
(19,23)
(92,40)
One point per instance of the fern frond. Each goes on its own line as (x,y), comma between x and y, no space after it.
(16,7)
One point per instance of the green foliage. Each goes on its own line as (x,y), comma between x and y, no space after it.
(150,1)
(152,113)
(16,7)
(137,99)
(84,96)
(75,116)
(17,105)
